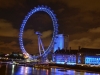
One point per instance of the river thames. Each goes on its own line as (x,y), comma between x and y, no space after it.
(24,70)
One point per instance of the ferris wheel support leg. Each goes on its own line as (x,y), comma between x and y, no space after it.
(42,45)
(39,45)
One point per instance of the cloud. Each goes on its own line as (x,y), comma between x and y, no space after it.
(95,30)
(7,30)
(10,3)
(5,3)
(85,43)
(9,36)
(85,5)
(46,34)
(47,1)
(89,39)
(9,47)
(32,48)
(29,34)
(79,42)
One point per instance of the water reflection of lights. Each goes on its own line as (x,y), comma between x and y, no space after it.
(51,68)
(22,70)
(6,69)
(70,71)
(28,70)
(47,72)
(13,66)
(87,73)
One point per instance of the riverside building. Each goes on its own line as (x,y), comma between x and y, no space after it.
(81,56)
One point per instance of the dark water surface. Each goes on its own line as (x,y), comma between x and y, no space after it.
(22,70)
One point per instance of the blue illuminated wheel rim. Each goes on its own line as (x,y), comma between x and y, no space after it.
(55,32)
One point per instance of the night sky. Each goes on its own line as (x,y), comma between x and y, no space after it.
(80,19)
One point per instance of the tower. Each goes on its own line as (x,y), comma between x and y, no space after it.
(61,42)
(66,41)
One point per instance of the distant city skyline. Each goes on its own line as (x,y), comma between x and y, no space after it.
(80,19)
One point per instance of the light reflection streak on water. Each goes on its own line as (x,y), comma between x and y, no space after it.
(56,71)
(87,73)
(13,66)
(6,69)
(22,70)
(70,72)
(28,70)
(47,72)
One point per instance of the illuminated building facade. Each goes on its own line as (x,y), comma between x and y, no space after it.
(91,56)
(81,56)
(93,60)
(59,42)
(65,56)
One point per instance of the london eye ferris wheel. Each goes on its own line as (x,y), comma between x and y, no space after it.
(42,52)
